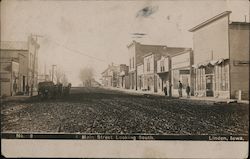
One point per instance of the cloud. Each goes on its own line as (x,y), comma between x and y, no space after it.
(140,34)
(147,11)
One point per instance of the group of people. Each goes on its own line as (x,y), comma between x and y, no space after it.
(180,87)
(60,90)
(15,88)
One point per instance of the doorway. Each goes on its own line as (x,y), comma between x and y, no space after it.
(24,84)
(209,86)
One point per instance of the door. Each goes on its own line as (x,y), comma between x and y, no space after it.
(23,83)
(209,86)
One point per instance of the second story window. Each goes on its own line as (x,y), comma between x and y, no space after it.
(148,65)
(130,63)
(162,67)
(133,62)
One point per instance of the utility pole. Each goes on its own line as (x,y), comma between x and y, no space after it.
(53,66)
(34,61)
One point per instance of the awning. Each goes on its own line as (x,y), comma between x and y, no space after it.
(206,63)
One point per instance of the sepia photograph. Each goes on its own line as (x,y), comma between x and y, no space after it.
(151,75)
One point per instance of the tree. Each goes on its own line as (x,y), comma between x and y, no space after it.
(86,76)
(59,75)
(64,80)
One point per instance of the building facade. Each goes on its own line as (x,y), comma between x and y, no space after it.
(163,72)
(221,57)
(17,65)
(110,77)
(181,70)
(140,77)
(164,67)
(123,76)
(136,52)
(149,72)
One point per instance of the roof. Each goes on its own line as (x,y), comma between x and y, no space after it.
(226,13)
(148,54)
(176,50)
(239,23)
(111,67)
(13,45)
(143,45)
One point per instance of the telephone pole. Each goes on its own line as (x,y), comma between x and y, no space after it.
(34,60)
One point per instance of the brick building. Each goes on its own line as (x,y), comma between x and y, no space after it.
(136,56)
(221,57)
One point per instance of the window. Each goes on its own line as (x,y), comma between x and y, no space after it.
(130,63)
(148,65)
(133,62)
(162,66)
(224,81)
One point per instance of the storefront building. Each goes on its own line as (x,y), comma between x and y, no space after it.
(137,51)
(181,70)
(221,60)
(150,78)
(140,77)
(163,72)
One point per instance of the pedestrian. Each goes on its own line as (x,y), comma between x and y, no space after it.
(15,87)
(27,89)
(180,89)
(188,90)
(165,90)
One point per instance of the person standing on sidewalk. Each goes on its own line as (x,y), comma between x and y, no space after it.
(165,90)
(180,89)
(188,90)
(27,89)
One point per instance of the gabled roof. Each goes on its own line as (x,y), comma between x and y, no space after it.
(13,45)
(226,13)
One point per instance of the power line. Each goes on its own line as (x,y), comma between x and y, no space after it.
(77,52)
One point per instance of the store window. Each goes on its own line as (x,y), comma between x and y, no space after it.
(224,82)
(176,78)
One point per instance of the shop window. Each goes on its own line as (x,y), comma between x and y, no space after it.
(176,78)
(224,82)
(200,79)
(209,70)
(184,80)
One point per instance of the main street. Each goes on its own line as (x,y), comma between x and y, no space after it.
(99,110)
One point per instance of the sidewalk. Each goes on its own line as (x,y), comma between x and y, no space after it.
(17,97)
(208,99)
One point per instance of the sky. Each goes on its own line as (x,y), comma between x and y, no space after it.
(81,33)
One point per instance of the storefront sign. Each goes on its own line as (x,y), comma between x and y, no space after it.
(5,79)
(182,60)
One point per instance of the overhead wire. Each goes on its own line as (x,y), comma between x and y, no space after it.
(77,51)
